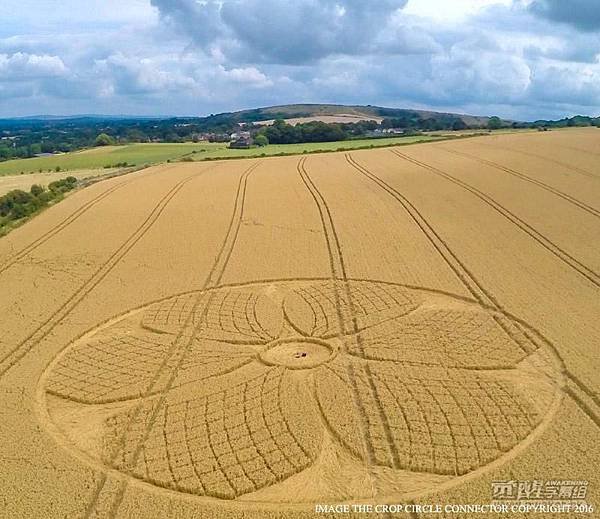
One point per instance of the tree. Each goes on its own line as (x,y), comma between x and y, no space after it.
(62,186)
(35,149)
(459,124)
(135,135)
(172,137)
(494,123)
(261,140)
(36,190)
(104,140)
(5,152)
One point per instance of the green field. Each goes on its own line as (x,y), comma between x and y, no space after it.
(135,154)
(141,154)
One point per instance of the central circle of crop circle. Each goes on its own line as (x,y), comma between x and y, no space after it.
(298,353)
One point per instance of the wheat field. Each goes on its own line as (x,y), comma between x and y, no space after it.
(251,338)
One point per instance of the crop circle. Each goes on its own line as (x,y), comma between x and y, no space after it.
(239,391)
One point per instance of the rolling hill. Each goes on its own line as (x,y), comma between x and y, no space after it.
(318,111)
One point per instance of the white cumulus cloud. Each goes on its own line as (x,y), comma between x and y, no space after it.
(21,66)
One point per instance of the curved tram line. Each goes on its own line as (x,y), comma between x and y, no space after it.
(585,271)
(547,159)
(592,410)
(138,425)
(13,356)
(338,272)
(471,283)
(63,224)
(107,499)
(582,205)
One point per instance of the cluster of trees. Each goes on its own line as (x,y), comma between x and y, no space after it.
(281,132)
(9,151)
(567,122)
(27,138)
(104,140)
(360,128)
(494,123)
(414,121)
(18,204)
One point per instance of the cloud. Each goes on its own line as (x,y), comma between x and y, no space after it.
(122,74)
(582,14)
(575,84)
(568,48)
(248,76)
(199,20)
(11,91)
(402,35)
(465,76)
(22,66)
(272,31)
(187,57)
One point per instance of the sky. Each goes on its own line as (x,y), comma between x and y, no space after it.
(519,59)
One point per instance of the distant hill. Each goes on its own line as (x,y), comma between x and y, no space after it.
(302,112)
(366,112)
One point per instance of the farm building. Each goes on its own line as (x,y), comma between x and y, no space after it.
(241,140)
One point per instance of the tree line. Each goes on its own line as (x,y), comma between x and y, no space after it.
(18,204)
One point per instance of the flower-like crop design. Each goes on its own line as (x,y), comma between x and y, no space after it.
(225,392)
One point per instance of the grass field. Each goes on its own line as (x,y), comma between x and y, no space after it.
(135,154)
(140,154)
(246,339)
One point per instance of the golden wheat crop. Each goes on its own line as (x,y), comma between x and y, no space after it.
(251,338)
